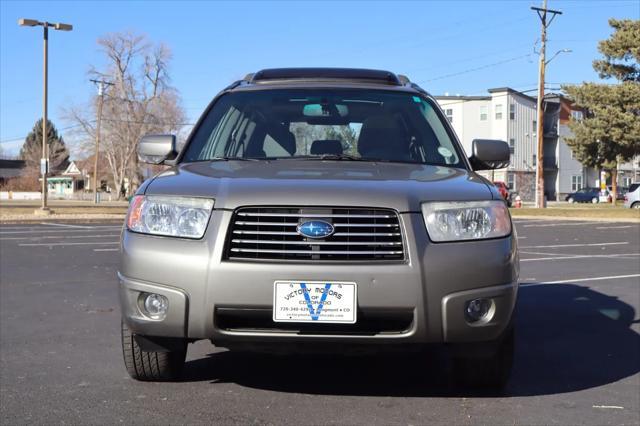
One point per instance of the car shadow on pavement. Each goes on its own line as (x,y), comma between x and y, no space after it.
(568,338)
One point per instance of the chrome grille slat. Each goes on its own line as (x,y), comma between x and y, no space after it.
(270,233)
(368,225)
(318,243)
(267,223)
(235,231)
(367,234)
(357,225)
(316,215)
(337,234)
(312,252)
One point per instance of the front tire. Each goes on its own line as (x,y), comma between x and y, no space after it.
(571,200)
(636,205)
(151,366)
(594,200)
(491,372)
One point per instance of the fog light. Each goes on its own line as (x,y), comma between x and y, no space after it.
(155,305)
(477,310)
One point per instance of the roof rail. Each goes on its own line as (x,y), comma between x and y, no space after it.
(404,80)
(353,74)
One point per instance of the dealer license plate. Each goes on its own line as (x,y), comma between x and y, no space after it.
(314,301)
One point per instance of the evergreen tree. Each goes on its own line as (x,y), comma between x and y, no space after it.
(31,151)
(610,131)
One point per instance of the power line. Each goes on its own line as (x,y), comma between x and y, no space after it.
(147,122)
(105,119)
(442,64)
(497,26)
(441,77)
(24,137)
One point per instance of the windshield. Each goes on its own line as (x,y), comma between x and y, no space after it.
(361,125)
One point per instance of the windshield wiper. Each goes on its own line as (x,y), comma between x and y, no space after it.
(347,157)
(233,158)
(340,157)
(325,157)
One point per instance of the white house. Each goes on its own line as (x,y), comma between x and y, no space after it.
(68,183)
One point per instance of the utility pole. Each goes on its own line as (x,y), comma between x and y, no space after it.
(542,14)
(101,88)
(44,161)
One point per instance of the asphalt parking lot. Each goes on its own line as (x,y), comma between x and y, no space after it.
(577,347)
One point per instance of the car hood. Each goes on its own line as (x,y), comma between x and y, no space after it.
(302,182)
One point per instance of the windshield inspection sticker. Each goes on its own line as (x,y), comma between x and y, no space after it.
(314,301)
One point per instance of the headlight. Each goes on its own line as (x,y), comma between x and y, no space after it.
(458,221)
(174,216)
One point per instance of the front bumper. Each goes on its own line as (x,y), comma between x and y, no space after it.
(429,289)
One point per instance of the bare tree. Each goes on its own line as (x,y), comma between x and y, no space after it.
(140,102)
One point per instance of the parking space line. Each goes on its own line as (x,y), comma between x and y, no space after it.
(65,225)
(29,227)
(546,254)
(588,256)
(48,237)
(578,280)
(57,231)
(578,245)
(515,220)
(616,227)
(107,249)
(539,253)
(557,224)
(69,244)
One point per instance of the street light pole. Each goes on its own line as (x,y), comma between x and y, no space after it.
(44,161)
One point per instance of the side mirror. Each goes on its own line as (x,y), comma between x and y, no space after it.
(487,154)
(156,149)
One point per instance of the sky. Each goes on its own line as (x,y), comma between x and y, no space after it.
(454,47)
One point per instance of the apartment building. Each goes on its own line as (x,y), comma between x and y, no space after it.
(509,115)
(504,114)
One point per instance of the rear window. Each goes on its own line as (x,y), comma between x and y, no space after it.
(365,125)
(633,187)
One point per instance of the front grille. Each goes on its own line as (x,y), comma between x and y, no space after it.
(370,322)
(270,233)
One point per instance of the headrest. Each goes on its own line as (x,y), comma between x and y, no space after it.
(383,137)
(289,142)
(326,147)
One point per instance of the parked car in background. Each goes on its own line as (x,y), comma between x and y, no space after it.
(584,195)
(620,193)
(503,189)
(632,197)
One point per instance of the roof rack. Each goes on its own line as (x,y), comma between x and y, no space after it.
(351,74)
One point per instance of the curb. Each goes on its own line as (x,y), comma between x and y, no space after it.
(67,218)
(579,219)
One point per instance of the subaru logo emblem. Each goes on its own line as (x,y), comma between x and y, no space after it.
(315,229)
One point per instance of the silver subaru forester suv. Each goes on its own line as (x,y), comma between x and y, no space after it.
(319,210)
